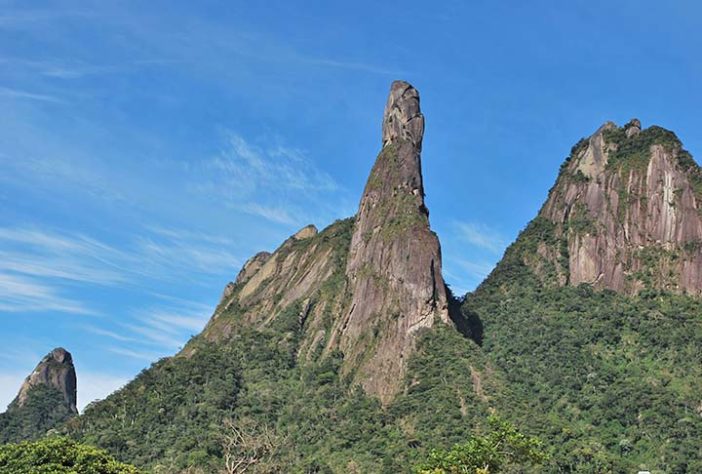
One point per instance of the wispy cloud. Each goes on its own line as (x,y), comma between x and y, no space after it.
(184,253)
(277,182)
(169,326)
(136,354)
(37,265)
(477,270)
(21,94)
(250,168)
(107,333)
(482,236)
(21,294)
(271,213)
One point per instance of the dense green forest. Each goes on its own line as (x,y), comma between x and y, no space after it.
(44,409)
(184,410)
(59,455)
(610,383)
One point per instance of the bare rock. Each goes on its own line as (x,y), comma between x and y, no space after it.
(632,128)
(250,268)
(627,206)
(394,263)
(55,370)
(305,233)
(402,120)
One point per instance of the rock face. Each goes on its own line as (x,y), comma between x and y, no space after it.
(626,208)
(362,286)
(394,263)
(297,274)
(55,371)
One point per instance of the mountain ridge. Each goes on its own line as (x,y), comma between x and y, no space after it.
(345,350)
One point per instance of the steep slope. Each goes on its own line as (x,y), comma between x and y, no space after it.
(628,208)
(46,398)
(336,348)
(386,282)
(394,263)
(593,315)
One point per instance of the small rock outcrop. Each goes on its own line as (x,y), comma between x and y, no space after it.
(251,266)
(55,371)
(394,263)
(627,207)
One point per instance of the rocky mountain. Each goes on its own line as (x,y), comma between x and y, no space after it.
(593,314)
(343,350)
(46,398)
(627,212)
(334,332)
(386,281)
(394,263)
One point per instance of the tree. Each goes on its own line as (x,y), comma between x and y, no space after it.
(248,445)
(503,446)
(59,455)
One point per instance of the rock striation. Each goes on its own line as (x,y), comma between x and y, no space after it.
(363,286)
(55,371)
(627,212)
(394,263)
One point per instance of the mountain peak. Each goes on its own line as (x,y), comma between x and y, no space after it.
(627,211)
(402,119)
(55,371)
(364,286)
(394,262)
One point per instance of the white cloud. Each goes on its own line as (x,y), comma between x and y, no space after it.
(22,294)
(170,326)
(36,265)
(21,94)
(136,354)
(482,236)
(107,333)
(477,270)
(276,182)
(274,214)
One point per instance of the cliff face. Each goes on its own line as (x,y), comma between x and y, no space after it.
(363,286)
(626,209)
(305,275)
(394,263)
(55,371)
(46,399)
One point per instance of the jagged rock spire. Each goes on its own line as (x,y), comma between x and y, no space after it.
(627,207)
(55,370)
(402,119)
(394,262)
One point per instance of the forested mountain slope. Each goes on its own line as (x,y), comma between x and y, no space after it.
(593,316)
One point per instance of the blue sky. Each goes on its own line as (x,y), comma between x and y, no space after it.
(147,149)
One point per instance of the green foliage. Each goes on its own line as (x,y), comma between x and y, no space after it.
(610,383)
(59,455)
(169,419)
(574,152)
(43,410)
(635,152)
(492,452)
(168,411)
